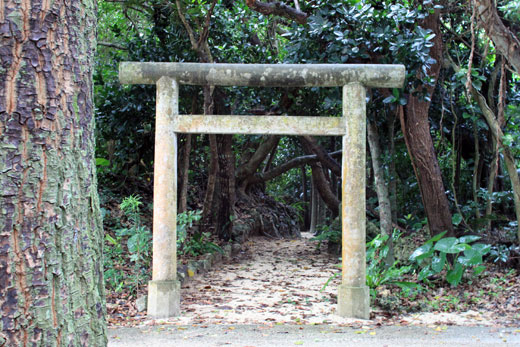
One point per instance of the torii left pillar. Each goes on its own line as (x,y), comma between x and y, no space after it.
(164,289)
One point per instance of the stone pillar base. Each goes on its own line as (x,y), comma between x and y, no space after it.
(164,299)
(353,302)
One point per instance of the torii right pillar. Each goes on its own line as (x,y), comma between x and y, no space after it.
(353,294)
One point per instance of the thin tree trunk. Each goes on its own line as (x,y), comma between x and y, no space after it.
(267,166)
(495,129)
(491,183)
(323,187)
(51,237)
(212,181)
(227,194)
(391,168)
(183,175)
(213,163)
(385,210)
(416,130)
(314,207)
(311,145)
(506,151)
(476,182)
(305,198)
(505,40)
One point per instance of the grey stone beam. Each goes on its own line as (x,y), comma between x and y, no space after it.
(265,75)
(270,125)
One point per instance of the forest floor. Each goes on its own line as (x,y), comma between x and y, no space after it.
(278,282)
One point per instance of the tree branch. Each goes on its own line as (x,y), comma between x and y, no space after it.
(205,31)
(505,41)
(191,34)
(279,9)
(291,164)
(324,157)
(258,157)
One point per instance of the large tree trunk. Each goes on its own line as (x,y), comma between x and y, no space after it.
(416,129)
(51,239)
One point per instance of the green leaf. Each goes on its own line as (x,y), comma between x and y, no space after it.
(132,243)
(456,219)
(110,239)
(438,262)
(437,237)
(425,273)
(454,276)
(478,270)
(471,257)
(482,248)
(445,244)
(450,245)
(422,252)
(469,238)
(102,162)
(389,99)
(407,285)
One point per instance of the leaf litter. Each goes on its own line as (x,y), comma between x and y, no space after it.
(281,282)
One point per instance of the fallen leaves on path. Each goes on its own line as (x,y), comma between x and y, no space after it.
(273,282)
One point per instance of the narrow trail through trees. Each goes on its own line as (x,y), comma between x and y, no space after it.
(271,281)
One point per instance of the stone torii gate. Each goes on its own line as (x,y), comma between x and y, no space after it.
(164,288)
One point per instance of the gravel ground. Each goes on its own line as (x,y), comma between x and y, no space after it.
(310,335)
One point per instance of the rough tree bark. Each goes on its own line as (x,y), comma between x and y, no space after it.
(51,238)
(416,129)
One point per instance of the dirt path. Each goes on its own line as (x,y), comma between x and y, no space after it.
(279,281)
(269,295)
(273,281)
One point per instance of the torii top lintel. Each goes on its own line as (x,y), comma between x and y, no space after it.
(265,75)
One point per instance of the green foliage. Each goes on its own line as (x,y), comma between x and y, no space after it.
(328,233)
(378,271)
(199,242)
(502,254)
(114,255)
(185,220)
(432,257)
(137,251)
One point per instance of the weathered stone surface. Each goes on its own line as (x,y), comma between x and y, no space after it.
(164,265)
(353,302)
(353,293)
(164,289)
(164,299)
(265,75)
(140,303)
(270,125)
(353,205)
